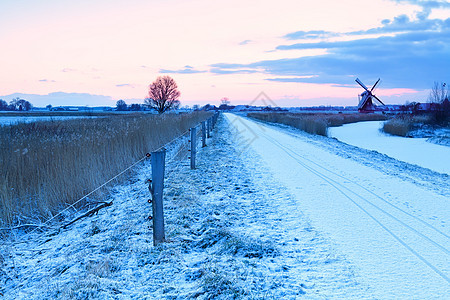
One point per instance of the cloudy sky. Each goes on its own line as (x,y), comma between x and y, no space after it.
(298,52)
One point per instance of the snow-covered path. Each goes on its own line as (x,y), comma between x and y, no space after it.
(395,231)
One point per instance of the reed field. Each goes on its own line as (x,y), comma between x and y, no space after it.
(399,127)
(315,123)
(47,165)
(403,124)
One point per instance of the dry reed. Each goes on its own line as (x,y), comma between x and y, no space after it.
(403,124)
(47,165)
(315,123)
(399,127)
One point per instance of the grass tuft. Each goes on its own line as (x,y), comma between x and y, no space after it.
(217,284)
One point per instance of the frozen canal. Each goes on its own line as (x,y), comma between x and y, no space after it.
(5,121)
(411,150)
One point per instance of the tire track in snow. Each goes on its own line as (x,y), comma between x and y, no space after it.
(374,194)
(340,186)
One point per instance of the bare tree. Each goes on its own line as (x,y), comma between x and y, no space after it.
(440,105)
(439,92)
(163,94)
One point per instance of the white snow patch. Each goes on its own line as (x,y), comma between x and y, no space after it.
(5,121)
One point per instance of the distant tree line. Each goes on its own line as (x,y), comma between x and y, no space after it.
(121,105)
(15,104)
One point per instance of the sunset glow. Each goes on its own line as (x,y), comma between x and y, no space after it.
(300,53)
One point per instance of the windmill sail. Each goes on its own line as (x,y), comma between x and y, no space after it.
(361,84)
(366,103)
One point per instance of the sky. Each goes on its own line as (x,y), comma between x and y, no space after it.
(294,52)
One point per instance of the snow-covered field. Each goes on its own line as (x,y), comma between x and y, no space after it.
(412,150)
(269,213)
(5,121)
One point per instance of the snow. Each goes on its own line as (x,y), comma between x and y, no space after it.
(232,232)
(412,150)
(264,216)
(5,121)
(393,230)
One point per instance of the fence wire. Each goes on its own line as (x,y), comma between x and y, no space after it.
(181,148)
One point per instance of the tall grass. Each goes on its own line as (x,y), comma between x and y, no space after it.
(402,124)
(399,127)
(46,165)
(309,123)
(315,123)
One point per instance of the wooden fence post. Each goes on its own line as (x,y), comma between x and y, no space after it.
(204,134)
(214,119)
(193,146)
(156,188)
(208,127)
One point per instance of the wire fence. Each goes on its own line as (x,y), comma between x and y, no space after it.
(180,154)
(156,184)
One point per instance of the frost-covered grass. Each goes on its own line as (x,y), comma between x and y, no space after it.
(315,123)
(47,165)
(231,231)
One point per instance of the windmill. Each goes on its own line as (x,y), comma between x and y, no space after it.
(366,98)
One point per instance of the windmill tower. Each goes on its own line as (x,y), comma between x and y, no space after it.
(366,98)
